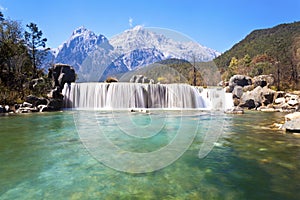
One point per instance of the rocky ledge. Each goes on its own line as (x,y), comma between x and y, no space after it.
(59,74)
(255,93)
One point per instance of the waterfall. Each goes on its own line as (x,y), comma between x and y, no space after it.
(138,95)
(216,98)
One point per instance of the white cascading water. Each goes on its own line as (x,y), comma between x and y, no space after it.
(137,95)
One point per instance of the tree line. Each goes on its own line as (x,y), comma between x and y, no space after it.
(266,51)
(21,54)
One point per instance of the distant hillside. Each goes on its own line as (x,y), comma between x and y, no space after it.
(178,71)
(274,50)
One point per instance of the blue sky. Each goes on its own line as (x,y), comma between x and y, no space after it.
(216,24)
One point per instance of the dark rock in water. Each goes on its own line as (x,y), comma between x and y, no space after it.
(239,80)
(55,104)
(292,125)
(250,104)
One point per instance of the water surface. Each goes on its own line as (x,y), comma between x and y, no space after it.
(42,157)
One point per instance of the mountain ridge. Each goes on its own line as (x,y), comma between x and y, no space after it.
(85,49)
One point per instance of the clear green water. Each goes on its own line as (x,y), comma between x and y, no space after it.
(42,157)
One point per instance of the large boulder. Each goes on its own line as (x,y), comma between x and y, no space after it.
(61,74)
(292,125)
(263,80)
(239,80)
(257,97)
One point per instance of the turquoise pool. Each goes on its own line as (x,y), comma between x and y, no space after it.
(42,156)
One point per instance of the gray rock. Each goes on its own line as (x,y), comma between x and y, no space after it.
(237,92)
(239,80)
(257,97)
(292,125)
(280,100)
(263,80)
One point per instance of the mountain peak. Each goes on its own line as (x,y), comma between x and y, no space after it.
(138,28)
(80,30)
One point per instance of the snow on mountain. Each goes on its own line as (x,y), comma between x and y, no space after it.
(94,56)
(77,48)
(140,37)
(132,60)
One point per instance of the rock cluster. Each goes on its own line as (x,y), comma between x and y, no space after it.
(255,93)
(141,79)
(59,75)
(36,104)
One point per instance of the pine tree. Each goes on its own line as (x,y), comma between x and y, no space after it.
(36,44)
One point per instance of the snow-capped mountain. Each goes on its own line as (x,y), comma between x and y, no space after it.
(94,56)
(132,60)
(140,37)
(77,48)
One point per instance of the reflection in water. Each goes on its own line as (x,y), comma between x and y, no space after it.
(42,157)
